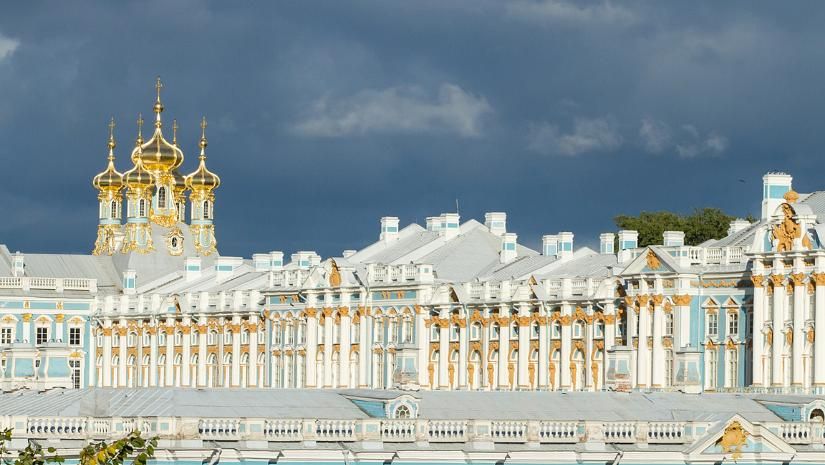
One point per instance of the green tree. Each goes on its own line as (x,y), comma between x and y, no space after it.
(96,453)
(701,225)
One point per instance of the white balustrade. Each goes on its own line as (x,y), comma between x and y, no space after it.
(56,427)
(509,431)
(398,430)
(558,431)
(795,433)
(219,428)
(619,432)
(283,430)
(335,430)
(447,431)
(666,432)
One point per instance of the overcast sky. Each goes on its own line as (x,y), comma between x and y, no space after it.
(326,116)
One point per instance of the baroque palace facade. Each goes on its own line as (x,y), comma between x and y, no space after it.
(445,306)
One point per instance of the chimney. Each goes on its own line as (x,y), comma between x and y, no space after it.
(565,244)
(606,243)
(508,247)
(192,268)
(673,238)
(276,260)
(550,245)
(496,222)
(628,239)
(225,267)
(19,266)
(389,229)
(434,223)
(302,259)
(449,225)
(261,262)
(348,253)
(737,225)
(774,187)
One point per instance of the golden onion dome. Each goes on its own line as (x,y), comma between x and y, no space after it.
(179,184)
(157,153)
(138,176)
(110,178)
(202,178)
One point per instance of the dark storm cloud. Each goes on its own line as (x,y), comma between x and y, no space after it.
(325,116)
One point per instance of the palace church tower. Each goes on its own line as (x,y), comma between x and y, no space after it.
(155,197)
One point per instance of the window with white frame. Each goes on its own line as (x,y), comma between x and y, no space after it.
(475,331)
(733,324)
(6,335)
(495,331)
(74,365)
(161,337)
(356,332)
(534,330)
(212,337)
(379,329)
(146,339)
(227,336)
(115,338)
(555,330)
(713,324)
(578,329)
(99,338)
(598,329)
(42,335)
(454,332)
(131,339)
(668,324)
(245,337)
(74,336)
(193,337)
(514,330)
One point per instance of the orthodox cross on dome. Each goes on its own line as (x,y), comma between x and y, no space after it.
(175,132)
(158,106)
(111,137)
(158,87)
(140,128)
(203,137)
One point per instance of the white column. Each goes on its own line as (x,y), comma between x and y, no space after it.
(658,365)
(777,378)
(121,370)
(523,322)
(798,345)
(819,334)
(186,353)
(543,374)
(421,337)
(203,329)
(757,338)
(252,369)
(329,325)
(566,349)
(107,353)
(444,351)
(170,353)
(643,357)
(153,355)
(365,353)
(344,354)
(462,355)
(236,351)
(311,347)
(609,328)
(504,349)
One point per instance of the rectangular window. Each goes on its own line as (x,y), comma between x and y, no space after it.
(713,324)
(75,367)
(668,324)
(5,335)
(733,324)
(42,335)
(74,336)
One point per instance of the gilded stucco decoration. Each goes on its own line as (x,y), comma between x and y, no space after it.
(653,261)
(334,274)
(733,439)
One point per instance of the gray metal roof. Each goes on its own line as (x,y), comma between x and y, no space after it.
(318,403)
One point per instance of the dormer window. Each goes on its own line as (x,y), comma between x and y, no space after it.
(162,197)
(402,412)
(206,213)
(141,207)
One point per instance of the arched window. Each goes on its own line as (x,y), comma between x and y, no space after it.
(178,338)
(578,329)
(162,197)
(598,329)
(131,340)
(193,337)
(402,412)
(379,329)
(556,330)
(817,415)
(211,337)
(475,331)
(206,213)
(245,337)
(141,207)
(146,339)
(113,209)
(407,330)
(668,324)
(495,331)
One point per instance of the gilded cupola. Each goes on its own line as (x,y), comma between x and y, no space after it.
(110,179)
(138,177)
(158,154)
(202,179)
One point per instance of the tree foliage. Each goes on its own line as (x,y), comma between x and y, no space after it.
(701,225)
(96,453)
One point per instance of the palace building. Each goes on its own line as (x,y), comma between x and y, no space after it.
(447,306)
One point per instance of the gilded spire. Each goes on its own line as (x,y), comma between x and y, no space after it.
(158,106)
(112,144)
(203,139)
(140,130)
(175,132)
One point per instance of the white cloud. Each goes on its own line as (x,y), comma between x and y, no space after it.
(687,142)
(570,12)
(588,135)
(655,135)
(7,46)
(397,110)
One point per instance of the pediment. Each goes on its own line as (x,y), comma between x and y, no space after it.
(737,439)
(651,261)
